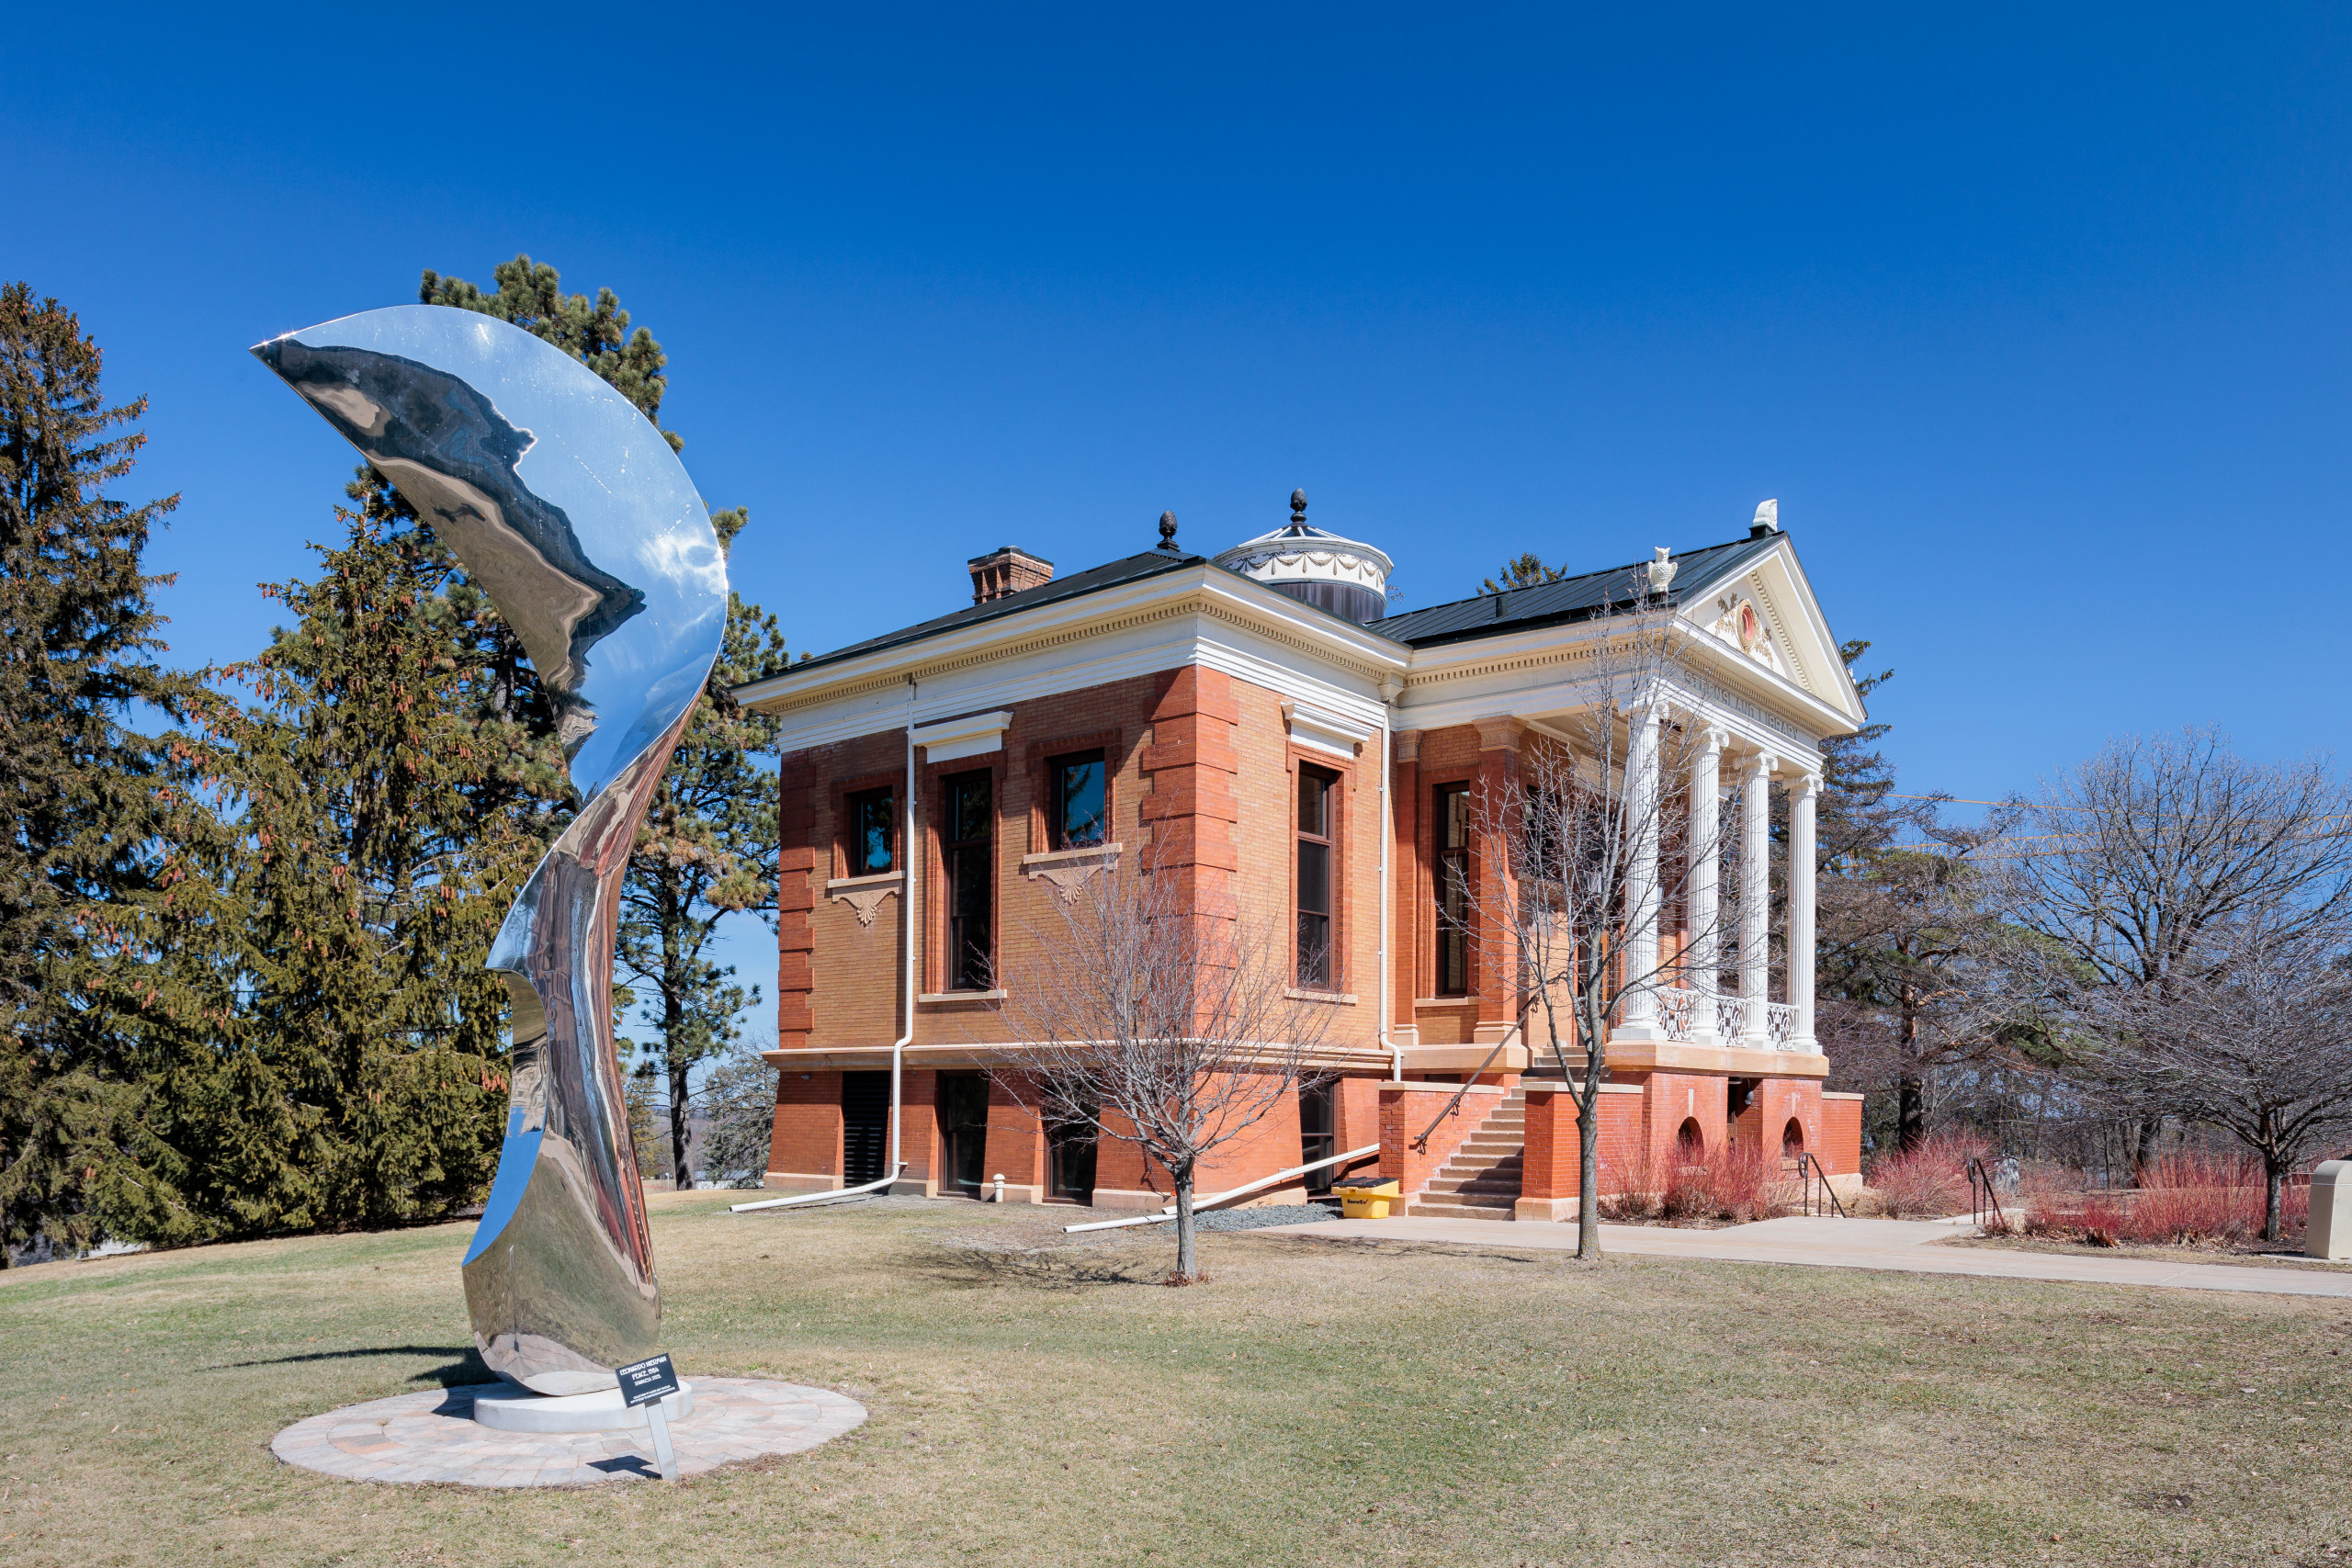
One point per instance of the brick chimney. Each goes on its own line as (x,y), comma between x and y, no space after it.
(1007,571)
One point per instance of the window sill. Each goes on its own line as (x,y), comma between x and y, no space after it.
(879,879)
(1421,1002)
(962,997)
(1340,998)
(1032,865)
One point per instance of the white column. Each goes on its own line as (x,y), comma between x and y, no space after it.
(1756,898)
(1702,955)
(1803,795)
(1642,801)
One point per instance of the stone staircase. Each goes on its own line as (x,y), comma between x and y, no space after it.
(1481,1181)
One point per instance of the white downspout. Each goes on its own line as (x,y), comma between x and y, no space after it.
(1387,834)
(906,859)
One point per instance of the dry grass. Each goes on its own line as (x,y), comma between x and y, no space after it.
(1321,1401)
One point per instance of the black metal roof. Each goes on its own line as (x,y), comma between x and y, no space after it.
(1569,599)
(1132,568)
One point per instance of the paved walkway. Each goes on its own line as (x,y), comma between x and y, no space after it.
(432,1437)
(1847,1244)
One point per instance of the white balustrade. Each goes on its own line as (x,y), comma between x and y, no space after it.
(1677,1011)
(1781,1026)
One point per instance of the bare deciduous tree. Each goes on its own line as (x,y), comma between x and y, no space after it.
(2251,1032)
(1591,844)
(1159,1025)
(2138,857)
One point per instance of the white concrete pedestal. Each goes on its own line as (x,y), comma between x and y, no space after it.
(520,1410)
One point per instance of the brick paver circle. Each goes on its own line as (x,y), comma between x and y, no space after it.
(432,1437)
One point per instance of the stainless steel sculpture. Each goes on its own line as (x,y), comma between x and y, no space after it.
(567,506)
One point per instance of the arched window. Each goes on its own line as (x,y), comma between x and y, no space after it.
(1690,1142)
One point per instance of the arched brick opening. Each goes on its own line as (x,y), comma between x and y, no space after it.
(1689,1142)
(1791,1139)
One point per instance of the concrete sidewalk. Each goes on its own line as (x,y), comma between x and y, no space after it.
(1902,1245)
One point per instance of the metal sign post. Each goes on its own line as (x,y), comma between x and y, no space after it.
(647,1383)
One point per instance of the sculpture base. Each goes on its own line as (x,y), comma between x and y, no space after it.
(433,1436)
(520,1410)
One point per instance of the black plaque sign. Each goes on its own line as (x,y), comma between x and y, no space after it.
(645,1382)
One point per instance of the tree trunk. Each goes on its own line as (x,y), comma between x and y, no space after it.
(1589,1174)
(2274,1178)
(1911,1111)
(2150,1134)
(681,1178)
(1187,1267)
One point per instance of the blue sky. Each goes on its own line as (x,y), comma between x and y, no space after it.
(2035,320)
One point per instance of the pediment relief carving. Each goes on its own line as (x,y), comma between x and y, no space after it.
(1740,621)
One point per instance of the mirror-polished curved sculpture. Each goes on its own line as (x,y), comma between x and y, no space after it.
(570,510)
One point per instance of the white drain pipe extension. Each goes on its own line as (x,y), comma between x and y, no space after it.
(899,1046)
(825,1196)
(1165,1216)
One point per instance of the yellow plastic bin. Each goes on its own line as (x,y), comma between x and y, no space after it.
(1373,1202)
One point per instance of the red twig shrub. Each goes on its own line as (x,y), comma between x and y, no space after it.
(2182,1198)
(1730,1183)
(1929,1180)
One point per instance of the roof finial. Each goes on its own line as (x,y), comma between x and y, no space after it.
(1168,530)
(1298,512)
(1767,520)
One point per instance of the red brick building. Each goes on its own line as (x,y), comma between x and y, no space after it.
(941,781)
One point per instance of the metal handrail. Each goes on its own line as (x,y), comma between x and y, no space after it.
(1454,1102)
(1808,1167)
(1982,1198)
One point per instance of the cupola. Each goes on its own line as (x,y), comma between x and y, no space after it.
(1316,567)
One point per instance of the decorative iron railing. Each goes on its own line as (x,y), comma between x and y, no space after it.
(1680,1010)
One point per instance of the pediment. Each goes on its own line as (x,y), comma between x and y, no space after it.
(1765,614)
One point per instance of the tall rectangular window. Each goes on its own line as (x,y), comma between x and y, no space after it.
(873,833)
(971,882)
(1079,820)
(1314,843)
(1452,890)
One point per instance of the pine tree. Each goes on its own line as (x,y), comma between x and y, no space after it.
(708,849)
(383,818)
(85,795)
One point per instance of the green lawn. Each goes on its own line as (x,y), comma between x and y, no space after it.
(1039,1401)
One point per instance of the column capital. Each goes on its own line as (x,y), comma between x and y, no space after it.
(1805,786)
(1713,738)
(1761,765)
(1500,733)
(1406,745)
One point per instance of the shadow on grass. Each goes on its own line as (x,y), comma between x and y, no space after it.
(974,1267)
(467,1369)
(1485,1252)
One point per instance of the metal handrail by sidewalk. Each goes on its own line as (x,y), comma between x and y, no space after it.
(1808,1171)
(1982,1198)
(1454,1102)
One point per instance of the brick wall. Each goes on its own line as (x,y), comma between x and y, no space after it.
(1405,1111)
(1840,1146)
(805,1150)
(1550,1164)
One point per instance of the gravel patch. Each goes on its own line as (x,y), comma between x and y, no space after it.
(1275,1214)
